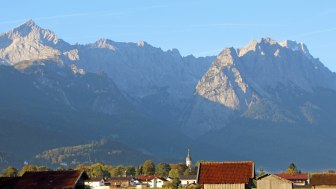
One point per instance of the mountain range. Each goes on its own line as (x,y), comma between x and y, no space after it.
(271,102)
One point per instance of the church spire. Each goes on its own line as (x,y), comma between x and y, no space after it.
(188,159)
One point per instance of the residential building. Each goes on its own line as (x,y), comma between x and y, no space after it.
(226,175)
(187,179)
(156,182)
(297,179)
(323,181)
(52,180)
(96,183)
(270,181)
(120,182)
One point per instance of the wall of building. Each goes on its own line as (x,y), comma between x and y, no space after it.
(273,183)
(224,186)
(324,187)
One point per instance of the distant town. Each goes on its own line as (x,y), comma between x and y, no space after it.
(189,175)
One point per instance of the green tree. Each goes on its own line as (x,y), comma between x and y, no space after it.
(148,168)
(180,167)
(98,170)
(9,172)
(190,171)
(130,171)
(292,169)
(118,171)
(199,162)
(176,183)
(138,170)
(172,185)
(162,169)
(174,173)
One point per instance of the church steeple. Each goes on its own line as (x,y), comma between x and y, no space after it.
(188,159)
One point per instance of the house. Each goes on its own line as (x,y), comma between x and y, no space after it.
(297,179)
(270,181)
(226,175)
(52,180)
(322,181)
(156,182)
(120,182)
(145,179)
(96,183)
(187,179)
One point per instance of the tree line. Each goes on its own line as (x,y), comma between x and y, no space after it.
(101,170)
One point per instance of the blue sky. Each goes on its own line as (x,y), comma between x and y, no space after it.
(193,27)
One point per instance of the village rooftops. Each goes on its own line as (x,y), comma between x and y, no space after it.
(225,172)
(50,179)
(327,179)
(293,176)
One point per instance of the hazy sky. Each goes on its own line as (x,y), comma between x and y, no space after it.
(193,27)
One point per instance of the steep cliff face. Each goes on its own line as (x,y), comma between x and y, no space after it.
(256,81)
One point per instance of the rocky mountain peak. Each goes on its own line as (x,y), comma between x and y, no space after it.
(30,42)
(104,44)
(295,46)
(237,76)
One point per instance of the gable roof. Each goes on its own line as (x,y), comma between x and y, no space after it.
(293,176)
(274,176)
(8,182)
(327,179)
(145,177)
(225,172)
(50,179)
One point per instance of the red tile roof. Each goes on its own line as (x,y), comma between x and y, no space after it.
(225,172)
(293,176)
(50,179)
(323,179)
(145,177)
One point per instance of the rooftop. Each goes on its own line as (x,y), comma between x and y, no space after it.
(50,179)
(225,172)
(293,176)
(323,179)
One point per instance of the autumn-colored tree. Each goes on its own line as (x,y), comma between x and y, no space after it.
(180,167)
(148,167)
(292,169)
(27,168)
(9,172)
